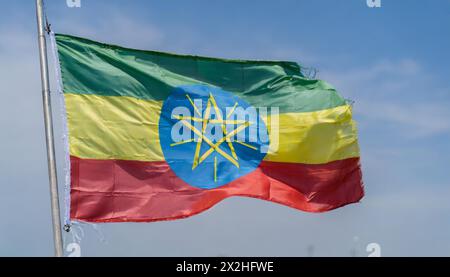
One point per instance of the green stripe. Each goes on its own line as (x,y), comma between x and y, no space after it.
(89,67)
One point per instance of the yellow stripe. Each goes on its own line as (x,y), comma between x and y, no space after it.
(313,137)
(113,127)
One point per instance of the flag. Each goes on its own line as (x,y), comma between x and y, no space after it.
(158,136)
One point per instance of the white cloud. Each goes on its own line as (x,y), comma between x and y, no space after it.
(393,92)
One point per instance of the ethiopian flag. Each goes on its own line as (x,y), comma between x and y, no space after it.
(158,136)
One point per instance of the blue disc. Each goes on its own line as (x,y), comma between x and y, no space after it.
(205,139)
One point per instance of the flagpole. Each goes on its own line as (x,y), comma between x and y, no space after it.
(57,234)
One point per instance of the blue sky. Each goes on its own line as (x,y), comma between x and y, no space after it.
(392,61)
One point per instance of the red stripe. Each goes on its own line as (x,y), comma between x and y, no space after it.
(118,191)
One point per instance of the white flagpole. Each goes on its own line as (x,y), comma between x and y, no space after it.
(57,234)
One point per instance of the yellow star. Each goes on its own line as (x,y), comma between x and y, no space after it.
(214,147)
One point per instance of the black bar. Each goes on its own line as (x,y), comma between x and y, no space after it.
(223,266)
